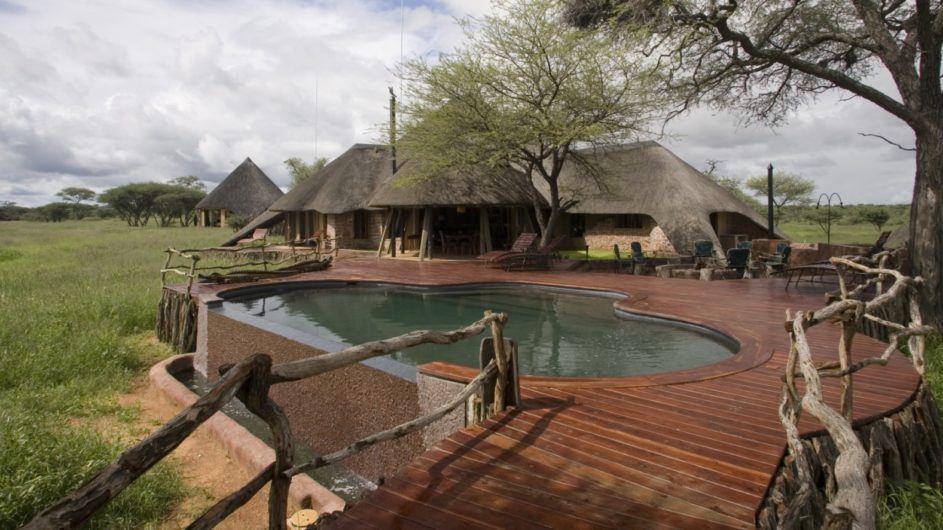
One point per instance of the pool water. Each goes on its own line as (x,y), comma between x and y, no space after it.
(558,333)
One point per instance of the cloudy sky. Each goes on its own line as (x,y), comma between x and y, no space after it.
(98,93)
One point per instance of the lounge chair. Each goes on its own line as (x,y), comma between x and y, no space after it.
(878,245)
(520,246)
(739,259)
(539,259)
(259,234)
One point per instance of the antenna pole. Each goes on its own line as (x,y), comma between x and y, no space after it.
(393,127)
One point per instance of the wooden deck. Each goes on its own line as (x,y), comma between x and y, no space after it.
(695,449)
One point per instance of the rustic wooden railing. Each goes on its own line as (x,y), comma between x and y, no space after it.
(250,381)
(186,263)
(853,504)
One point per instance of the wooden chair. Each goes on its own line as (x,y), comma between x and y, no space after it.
(259,234)
(520,246)
(539,259)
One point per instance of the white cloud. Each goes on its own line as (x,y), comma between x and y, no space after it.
(101,93)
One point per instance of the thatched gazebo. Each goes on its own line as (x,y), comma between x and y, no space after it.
(246,192)
(334,201)
(469,211)
(644,192)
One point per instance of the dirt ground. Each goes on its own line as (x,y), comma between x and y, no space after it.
(206,465)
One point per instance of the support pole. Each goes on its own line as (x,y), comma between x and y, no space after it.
(769,200)
(426,231)
(387,226)
(484,231)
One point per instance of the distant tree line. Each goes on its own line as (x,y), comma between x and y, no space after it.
(794,200)
(137,204)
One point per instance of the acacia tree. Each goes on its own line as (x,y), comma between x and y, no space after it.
(526,91)
(301,170)
(787,189)
(768,58)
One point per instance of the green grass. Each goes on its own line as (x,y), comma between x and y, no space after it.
(861,234)
(72,297)
(912,506)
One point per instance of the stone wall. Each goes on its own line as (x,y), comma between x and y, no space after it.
(341,226)
(331,410)
(601,234)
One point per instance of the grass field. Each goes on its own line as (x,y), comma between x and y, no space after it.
(860,234)
(75,299)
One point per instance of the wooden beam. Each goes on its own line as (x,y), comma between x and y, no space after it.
(484,231)
(385,232)
(424,247)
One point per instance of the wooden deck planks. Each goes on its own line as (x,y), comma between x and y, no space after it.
(694,450)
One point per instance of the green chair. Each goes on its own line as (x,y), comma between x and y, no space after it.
(619,261)
(704,248)
(776,263)
(637,255)
(738,258)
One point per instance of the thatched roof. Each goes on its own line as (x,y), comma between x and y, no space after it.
(247,191)
(478,187)
(343,185)
(645,178)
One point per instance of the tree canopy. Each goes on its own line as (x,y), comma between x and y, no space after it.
(76,195)
(137,203)
(524,91)
(788,189)
(301,170)
(766,58)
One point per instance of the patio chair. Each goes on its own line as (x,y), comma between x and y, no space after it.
(878,245)
(637,255)
(520,246)
(703,248)
(738,259)
(619,261)
(777,263)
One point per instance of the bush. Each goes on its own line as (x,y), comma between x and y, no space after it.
(236,222)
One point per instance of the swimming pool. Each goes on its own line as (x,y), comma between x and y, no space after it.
(564,333)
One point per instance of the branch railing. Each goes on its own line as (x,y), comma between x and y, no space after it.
(853,505)
(185,262)
(250,380)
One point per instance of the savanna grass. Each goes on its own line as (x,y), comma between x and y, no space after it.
(72,297)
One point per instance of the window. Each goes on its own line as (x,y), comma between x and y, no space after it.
(630,220)
(360,224)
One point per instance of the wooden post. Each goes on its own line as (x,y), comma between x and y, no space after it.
(385,232)
(484,231)
(848,328)
(500,387)
(424,246)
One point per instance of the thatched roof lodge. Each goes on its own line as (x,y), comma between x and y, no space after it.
(466,212)
(334,201)
(246,192)
(644,192)
(636,192)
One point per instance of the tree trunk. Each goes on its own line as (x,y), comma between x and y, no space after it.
(926,222)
